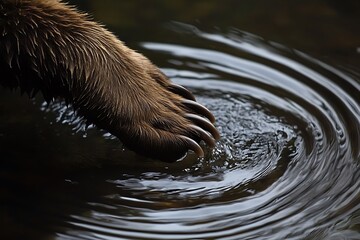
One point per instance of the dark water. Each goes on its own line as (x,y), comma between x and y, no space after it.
(287,165)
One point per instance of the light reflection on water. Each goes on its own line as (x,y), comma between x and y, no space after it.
(286,167)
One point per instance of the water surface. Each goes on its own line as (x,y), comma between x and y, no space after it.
(286,167)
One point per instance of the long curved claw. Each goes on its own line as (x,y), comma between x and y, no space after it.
(192,145)
(199,109)
(203,123)
(204,135)
(180,90)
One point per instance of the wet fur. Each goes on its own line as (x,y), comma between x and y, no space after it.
(48,46)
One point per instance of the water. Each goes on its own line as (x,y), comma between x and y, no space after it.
(286,167)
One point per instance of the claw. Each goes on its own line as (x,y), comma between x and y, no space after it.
(180,90)
(192,145)
(199,108)
(203,123)
(204,135)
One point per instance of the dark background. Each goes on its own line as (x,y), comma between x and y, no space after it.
(324,28)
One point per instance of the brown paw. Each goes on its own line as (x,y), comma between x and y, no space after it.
(177,124)
(66,55)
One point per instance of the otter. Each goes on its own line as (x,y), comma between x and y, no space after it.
(50,47)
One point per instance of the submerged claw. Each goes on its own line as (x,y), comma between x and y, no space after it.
(192,145)
(203,123)
(180,90)
(197,107)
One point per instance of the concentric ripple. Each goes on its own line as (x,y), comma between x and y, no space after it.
(286,167)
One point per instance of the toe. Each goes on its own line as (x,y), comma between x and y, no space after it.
(160,144)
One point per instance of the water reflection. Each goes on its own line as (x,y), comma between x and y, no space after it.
(287,166)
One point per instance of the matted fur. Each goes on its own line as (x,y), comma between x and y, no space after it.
(48,46)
